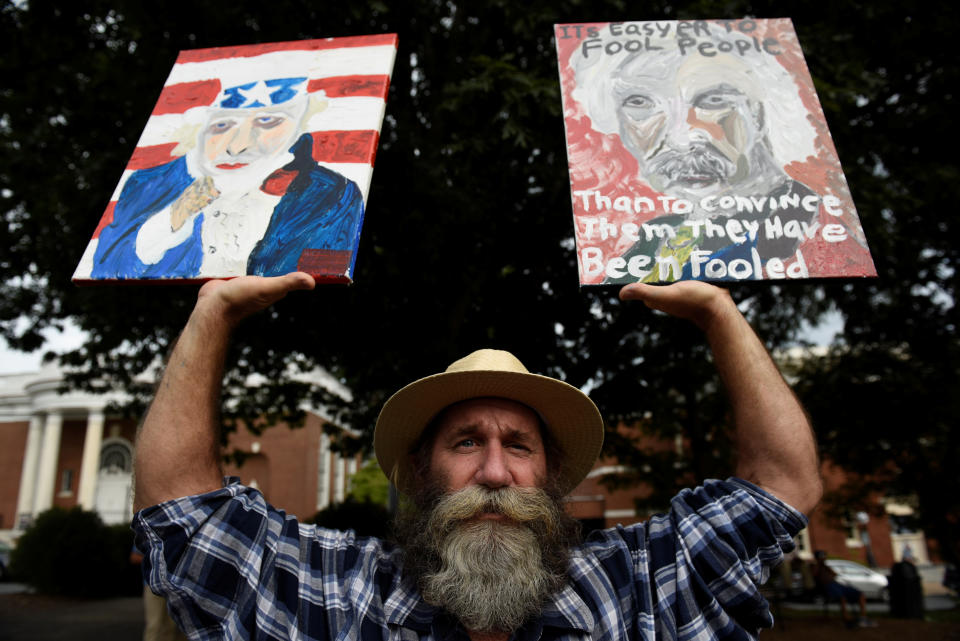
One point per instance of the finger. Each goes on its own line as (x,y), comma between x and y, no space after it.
(277,287)
(300,280)
(637,291)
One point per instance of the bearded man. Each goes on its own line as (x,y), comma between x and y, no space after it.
(244,196)
(486,451)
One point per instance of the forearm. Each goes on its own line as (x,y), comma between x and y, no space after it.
(775,445)
(177,445)
(774,441)
(177,451)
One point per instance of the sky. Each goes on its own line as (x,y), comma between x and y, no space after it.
(15,362)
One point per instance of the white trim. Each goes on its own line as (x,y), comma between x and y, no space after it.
(608,469)
(24,395)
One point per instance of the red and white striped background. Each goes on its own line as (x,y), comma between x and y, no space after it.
(353,72)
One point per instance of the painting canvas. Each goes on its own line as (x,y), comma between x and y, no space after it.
(256,160)
(699,150)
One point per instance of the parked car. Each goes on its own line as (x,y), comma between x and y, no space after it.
(870,582)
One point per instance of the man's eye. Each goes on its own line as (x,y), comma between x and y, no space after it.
(638,101)
(713,101)
(467,442)
(220,126)
(267,122)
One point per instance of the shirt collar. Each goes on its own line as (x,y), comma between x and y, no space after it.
(405,607)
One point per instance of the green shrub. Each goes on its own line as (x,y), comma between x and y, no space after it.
(71,552)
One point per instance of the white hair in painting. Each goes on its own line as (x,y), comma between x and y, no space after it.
(786,128)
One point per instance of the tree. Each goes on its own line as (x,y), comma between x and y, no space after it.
(466,243)
(369,485)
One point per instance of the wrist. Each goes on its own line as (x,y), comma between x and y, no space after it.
(211,320)
(719,312)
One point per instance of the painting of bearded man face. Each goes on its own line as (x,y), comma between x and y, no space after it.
(698,150)
(691,132)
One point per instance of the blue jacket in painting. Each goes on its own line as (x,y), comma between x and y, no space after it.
(320,209)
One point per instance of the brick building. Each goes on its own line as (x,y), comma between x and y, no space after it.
(65,450)
(882,532)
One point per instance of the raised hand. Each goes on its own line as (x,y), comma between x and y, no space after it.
(235,299)
(698,302)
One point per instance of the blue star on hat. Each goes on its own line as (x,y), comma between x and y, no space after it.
(262,93)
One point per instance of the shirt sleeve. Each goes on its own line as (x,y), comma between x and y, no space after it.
(231,566)
(717,545)
(693,573)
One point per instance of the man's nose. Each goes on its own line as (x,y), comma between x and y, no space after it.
(242,139)
(682,127)
(493,471)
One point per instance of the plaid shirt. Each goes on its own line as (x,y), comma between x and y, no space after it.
(233,567)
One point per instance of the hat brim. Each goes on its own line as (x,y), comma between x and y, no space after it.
(571,417)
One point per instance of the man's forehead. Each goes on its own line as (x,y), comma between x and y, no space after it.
(495,410)
(685,76)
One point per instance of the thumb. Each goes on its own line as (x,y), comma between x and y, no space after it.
(298,280)
(637,291)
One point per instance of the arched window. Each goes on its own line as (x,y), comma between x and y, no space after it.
(116,457)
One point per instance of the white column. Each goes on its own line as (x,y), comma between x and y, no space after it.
(49,456)
(351,470)
(28,473)
(90,463)
(323,473)
(338,481)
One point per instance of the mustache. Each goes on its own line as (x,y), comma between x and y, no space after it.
(528,506)
(698,160)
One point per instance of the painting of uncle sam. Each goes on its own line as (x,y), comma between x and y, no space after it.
(699,150)
(256,160)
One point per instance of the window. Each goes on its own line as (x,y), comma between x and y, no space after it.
(66,483)
(116,458)
(803,544)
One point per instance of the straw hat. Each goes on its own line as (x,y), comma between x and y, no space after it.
(570,416)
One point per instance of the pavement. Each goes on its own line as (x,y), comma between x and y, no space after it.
(25,616)
(931,603)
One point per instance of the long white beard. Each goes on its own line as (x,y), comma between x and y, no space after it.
(492,575)
(238,218)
